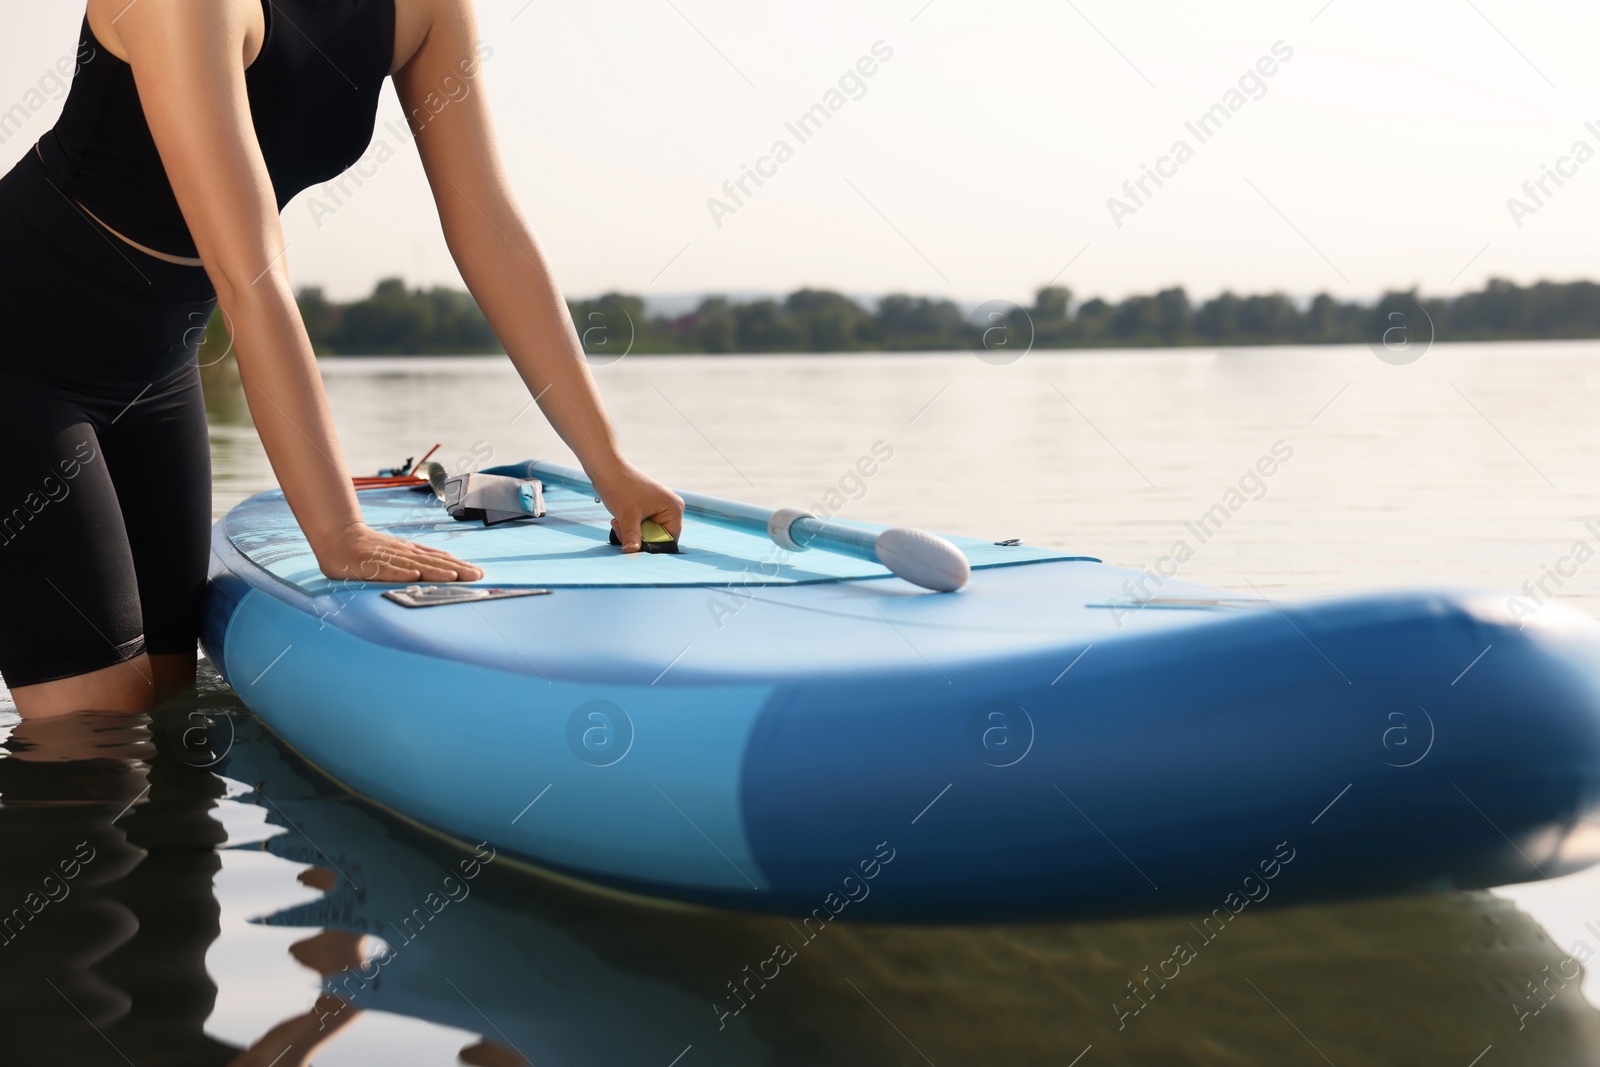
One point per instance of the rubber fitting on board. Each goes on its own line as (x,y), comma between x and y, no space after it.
(922,558)
(778,527)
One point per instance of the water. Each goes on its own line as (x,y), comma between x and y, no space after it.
(214,903)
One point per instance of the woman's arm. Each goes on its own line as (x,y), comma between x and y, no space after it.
(504,268)
(188,61)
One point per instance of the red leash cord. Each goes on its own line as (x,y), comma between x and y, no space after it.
(393,481)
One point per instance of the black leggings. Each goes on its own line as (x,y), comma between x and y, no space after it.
(105,469)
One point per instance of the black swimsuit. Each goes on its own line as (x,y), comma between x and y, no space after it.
(105,472)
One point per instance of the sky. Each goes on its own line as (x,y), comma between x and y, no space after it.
(979,158)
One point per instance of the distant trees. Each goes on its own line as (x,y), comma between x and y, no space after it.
(910,322)
(397,320)
(1545,309)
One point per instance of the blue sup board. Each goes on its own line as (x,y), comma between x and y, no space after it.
(803,732)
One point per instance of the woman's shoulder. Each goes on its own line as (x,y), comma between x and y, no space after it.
(214,22)
(414,20)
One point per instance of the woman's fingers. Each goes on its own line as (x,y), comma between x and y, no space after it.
(467,570)
(371,556)
(418,555)
(437,569)
(417,571)
(387,572)
(631,498)
(442,566)
(627,527)
(670,519)
(405,564)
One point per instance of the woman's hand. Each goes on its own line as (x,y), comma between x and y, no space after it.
(360,553)
(632,497)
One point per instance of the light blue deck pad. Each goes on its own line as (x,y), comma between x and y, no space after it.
(567,547)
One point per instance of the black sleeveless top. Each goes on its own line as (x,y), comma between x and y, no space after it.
(313,100)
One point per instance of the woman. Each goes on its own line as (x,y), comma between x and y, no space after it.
(155,199)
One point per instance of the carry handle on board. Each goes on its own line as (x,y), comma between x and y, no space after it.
(919,557)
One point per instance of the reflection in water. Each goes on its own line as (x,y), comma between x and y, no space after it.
(112,844)
(294,1041)
(106,888)
(109,912)
(557,975)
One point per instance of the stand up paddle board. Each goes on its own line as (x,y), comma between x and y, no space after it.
(801,730)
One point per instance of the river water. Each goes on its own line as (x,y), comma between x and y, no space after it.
(209,906)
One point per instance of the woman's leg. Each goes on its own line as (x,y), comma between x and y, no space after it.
(71,632)
(94,337)
(125,686)
(159,456)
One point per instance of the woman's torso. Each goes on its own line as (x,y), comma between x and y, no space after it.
(313,92)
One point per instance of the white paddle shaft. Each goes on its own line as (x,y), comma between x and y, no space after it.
(919,557)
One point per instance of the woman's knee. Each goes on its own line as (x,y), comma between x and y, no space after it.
(124,687)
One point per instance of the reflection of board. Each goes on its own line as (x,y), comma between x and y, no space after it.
(538,968)
(731,725)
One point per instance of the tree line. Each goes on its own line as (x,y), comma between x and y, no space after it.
(440,321)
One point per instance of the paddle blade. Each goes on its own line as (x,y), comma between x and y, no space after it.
(435,474)
(922,558)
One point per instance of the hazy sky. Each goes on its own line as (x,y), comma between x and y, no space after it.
(979,157)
